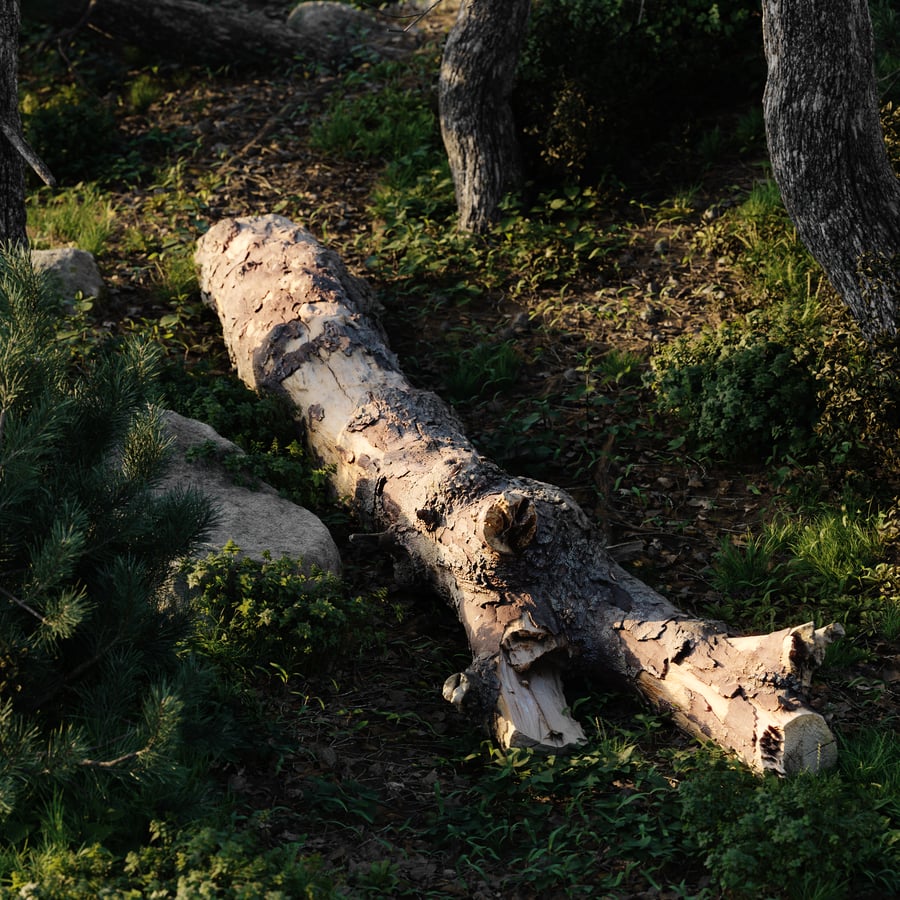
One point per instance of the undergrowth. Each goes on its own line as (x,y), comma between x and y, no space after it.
(278,666)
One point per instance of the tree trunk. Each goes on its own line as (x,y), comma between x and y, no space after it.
(519,561)
(12,176)
(200,33)
(828,153)
(477,74)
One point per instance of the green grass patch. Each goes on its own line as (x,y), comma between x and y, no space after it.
(82,216)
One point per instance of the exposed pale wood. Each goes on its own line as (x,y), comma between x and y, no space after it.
(528,575)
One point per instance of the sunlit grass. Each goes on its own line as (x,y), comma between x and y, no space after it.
(82,216)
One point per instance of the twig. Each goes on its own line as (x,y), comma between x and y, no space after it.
(416,18)
(112,763)
(17,139)
(22,604)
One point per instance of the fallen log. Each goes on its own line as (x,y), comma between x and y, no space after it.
(201,33)
(525,570)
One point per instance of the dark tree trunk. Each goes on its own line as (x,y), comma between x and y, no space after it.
(12,175)
(828,153)
(528,576)
(477,74)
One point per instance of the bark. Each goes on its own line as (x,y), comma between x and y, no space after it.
(828,153)
(477,74)
(12,176)
(195,32)
(526,572)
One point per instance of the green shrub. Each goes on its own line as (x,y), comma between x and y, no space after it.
(740,395)
(391,118)
(787,304)
(72,131)
(93,686)
(274,614)
(807,836)
(263,426)
(229,863)
(587,65)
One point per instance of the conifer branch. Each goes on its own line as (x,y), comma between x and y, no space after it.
(158,735)
(21,603)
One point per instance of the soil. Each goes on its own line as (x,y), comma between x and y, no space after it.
(381,728)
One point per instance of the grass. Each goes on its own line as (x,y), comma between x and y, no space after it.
(81,216)
(375,763)
(816,566)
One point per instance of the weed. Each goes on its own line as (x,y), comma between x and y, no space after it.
(256,614)
(482,369)
(72,130)
(818,566)
(175,275)
(378,121)
(808,836)
(80,216)
(144,90)
(738,393)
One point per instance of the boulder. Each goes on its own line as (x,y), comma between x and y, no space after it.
(73,271)
(340,32)
(256,519)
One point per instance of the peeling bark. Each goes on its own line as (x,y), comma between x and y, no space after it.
(525,570)
(828,153)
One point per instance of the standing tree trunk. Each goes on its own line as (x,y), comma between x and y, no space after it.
(477,75)
(828,153)
(521,564)
(12,175)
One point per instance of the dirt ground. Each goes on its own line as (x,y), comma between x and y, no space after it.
(385,728)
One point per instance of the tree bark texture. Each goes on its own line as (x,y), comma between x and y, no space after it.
(200,33)
(476,80)
(526,572)
(828,153)
(12,175)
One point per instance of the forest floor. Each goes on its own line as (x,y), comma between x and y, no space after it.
(379,732)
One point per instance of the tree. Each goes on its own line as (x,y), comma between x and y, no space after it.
(13,146)
(92,684)
(530,580)
(828,153)
(12,177)
(477,74)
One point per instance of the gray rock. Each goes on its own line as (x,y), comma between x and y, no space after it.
(254,519)
(72,270)
(338,32)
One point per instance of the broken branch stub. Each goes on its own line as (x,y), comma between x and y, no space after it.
(526,572)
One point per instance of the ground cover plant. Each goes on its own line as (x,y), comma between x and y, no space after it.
(578,340)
